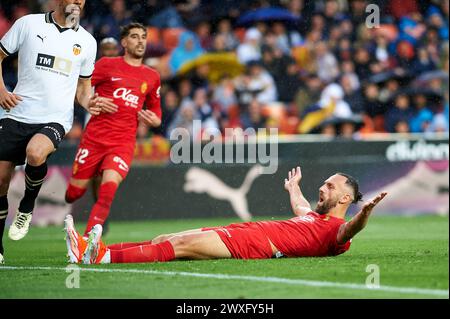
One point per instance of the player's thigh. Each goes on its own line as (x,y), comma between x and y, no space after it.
(164,237)
(6,171)
(111,175)
(200,245)
(44,142)
(38,149)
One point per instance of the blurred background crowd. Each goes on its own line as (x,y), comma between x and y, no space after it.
(304,67)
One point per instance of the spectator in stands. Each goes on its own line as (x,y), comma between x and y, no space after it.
(109,24)
(109,47)
(309,93)
(261,80)
(351,94)
(252,117)
(224,95)
(224,30)
(372,104)
(327,65)
(399,115)
(250,49)
(187,49)
(170,104)
(422,115)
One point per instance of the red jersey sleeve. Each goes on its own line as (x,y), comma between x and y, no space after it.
(153,99)
(100,72)
(335,248)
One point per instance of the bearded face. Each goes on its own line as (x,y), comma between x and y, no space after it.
(324,205)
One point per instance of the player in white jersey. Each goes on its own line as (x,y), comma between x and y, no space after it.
(56,61)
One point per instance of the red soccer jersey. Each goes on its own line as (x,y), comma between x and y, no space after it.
(130,87)
(303,236)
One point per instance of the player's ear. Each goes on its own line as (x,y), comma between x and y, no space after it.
(346,199)
(123,42)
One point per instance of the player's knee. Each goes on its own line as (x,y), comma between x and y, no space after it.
(36,156)
(160,239)
(73,193)
(182,242)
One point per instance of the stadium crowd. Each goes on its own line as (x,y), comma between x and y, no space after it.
(300,66)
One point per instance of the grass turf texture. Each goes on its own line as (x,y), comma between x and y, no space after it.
(410,252)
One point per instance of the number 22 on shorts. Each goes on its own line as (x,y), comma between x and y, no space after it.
(81,155)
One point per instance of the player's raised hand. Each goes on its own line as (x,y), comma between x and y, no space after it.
(149,118)
(8,100)
(368,207)
(294,177)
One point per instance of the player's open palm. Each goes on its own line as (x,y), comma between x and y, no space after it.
(294,177)
(368,207)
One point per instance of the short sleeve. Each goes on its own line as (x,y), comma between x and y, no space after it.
(100,73)
(14,38)
(153,100)
(87,67)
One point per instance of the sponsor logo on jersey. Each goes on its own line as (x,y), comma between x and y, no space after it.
(126,95)
(122,165)
(54,63)
(76,49)
(144,87)
(115,79)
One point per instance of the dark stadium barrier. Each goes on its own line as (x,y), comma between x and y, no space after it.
(413,170)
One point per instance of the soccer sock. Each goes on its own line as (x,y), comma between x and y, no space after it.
(121,246)
(100,211)
(34,177)
(73,193)
(3,214)
(144,254)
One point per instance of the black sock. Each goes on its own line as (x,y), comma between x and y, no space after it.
(3,214)
(34,177)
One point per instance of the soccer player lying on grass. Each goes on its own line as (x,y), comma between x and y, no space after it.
(322,232)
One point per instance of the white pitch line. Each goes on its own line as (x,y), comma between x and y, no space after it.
(278,280)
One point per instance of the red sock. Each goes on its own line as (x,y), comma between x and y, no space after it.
(121,246)
(144,254)
(73,193)
(100,211)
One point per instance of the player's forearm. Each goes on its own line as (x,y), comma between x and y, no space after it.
(83,95)
(2,82)
(299,204)
(354,226)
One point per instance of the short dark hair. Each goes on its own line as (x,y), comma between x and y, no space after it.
(353,183)
(125,30)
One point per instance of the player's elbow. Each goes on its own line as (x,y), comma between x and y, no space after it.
(301,211)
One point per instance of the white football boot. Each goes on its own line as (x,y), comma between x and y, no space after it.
(20,226)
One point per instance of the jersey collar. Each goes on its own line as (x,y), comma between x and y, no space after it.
(49,19)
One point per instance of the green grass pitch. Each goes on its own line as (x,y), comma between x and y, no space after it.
(411,253)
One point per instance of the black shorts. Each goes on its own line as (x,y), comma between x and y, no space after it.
(15,136)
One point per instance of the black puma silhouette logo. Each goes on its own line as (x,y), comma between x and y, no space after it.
(42,38)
